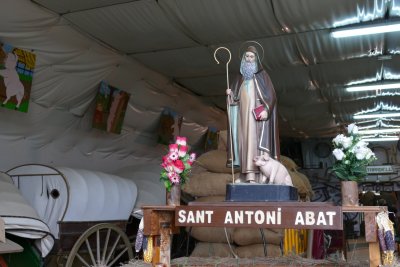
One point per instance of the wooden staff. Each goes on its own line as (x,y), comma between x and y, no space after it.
(228,103)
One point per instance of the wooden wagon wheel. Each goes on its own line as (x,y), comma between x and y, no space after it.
(102,245)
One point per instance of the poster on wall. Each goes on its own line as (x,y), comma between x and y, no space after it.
(16,73)
(169,127)
(212,138)
(110,108)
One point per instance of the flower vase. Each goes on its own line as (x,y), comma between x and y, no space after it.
(349,191)
(174,195)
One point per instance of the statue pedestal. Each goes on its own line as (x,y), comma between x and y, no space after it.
(244,192)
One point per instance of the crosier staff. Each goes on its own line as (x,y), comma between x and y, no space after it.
(228,101)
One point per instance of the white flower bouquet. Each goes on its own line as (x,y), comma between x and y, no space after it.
(352,155)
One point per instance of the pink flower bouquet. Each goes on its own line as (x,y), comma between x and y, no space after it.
(177,164)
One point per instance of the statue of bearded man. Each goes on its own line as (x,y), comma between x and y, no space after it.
(252,136)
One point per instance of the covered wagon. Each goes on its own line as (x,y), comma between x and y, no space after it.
(86,211)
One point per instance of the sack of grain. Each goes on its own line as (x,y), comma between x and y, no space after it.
(257,250)
(207,184)
(250,236)
(206,249)
(214,161)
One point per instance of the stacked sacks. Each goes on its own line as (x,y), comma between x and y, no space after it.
(207,183)
(300,181)
(229,242)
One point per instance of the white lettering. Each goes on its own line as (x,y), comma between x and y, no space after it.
(228,218)
(209,213)
(182,216)
(279,216)
(239,216)
(310,218)
(330,215)
(321,218)
(249,213)
(259,217)
(299,218)
(271,216)
(200,216)
(190,217)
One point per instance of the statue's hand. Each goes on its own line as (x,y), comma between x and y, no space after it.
(228,91)
(264,115)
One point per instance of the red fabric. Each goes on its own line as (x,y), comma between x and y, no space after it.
(318,251)
(3,262)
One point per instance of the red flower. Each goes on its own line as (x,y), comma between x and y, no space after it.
(174,177)
(173,156)
(182,151)
(192,158)
(179,167)
(181,140)
(173,148)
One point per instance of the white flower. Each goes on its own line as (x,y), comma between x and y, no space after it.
(338,140)
(369,154)
(338,153)
(361,153)
(352,128)
(347,142)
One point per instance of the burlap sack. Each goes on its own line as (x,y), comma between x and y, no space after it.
(307,184)
(257,250)
(298,183)
(207,184)
(211,234)
(250,236)
(288,163)
(205,249)
(222,142)
(214,161)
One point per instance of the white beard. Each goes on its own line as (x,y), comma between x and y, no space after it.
(248,69)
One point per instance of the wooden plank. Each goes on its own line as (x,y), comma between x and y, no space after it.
(374,254)
(370,227)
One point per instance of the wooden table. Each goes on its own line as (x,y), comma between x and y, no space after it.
(166,220)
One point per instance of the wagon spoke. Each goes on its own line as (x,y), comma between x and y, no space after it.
(82,260)
(116,243)
(98,246)
(119,255)
(90,251)
(113,248)
(105,245)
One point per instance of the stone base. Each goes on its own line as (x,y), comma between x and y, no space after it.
(244,192)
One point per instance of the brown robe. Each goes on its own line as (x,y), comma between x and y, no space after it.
(254,137)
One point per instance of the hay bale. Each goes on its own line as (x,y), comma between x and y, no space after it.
(214,161)
(250,236)
(257,250)
(207,184)
(205,249)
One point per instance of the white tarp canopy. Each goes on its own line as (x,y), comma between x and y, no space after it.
(147,179)
(20,218)
(61,194)
(161,52)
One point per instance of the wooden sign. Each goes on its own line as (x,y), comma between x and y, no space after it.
(299,215)
(382,169)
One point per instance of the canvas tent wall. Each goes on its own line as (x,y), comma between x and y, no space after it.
(147,179)
(61,194)
(20,218)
